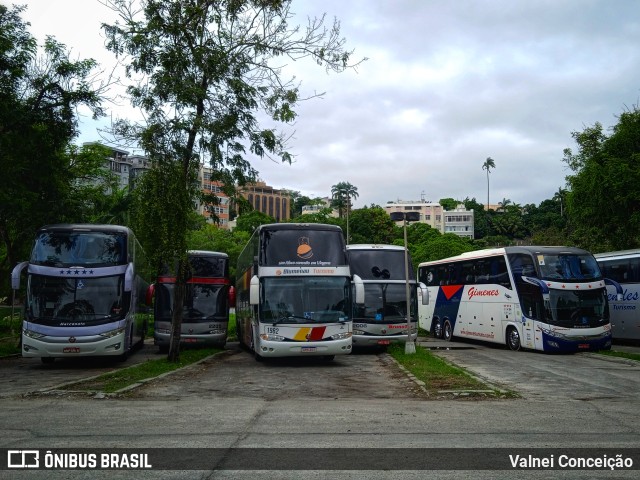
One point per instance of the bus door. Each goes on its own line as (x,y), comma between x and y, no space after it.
(527,339)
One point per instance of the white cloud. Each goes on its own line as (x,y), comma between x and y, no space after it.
(447,84)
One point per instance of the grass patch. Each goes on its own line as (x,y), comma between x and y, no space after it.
(440,376)
(117,380)
(615,353)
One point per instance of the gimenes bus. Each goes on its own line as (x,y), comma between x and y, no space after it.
(85,292)
(541,298)
(209,293)
(623,267)
(382,319)
(294,292)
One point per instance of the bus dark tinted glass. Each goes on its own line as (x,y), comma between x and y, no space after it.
(379,264)
(79,248)
(217,267)
(322,248)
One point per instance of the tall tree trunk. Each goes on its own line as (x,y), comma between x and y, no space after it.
(179,293)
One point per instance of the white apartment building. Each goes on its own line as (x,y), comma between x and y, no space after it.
(458,221)
(309,209)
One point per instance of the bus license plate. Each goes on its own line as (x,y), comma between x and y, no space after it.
(384,342)
(71,350)
(190,340)
(583,346)
(308,349)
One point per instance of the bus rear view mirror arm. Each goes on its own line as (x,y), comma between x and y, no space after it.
(424,293)
(15,275)
(359,289)
(617,286)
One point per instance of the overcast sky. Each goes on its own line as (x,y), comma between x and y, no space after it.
(446,85)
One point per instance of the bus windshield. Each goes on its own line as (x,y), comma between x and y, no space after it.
(578,309)
(59,301)
(203,302)
(73,248)
(305,299)
(386,302)
(564,267)
(377,264)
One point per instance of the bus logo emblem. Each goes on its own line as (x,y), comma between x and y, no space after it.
(72,339)
(304,249)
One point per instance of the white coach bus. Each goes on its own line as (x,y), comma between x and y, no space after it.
(541,298)
(293,292)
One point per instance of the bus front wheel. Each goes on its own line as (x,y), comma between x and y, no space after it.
(437,329)
(513,339)
(447,331)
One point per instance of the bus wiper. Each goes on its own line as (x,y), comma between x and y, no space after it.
(287,317)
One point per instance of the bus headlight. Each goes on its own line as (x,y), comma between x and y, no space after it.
(112,333)
(341,336)
(272,338)
(32,334)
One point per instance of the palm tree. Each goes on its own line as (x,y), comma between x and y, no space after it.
(340,192)
(559,197)
(504,204)
(488,165)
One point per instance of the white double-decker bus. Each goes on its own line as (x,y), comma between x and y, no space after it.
(85,294)
(623,267)
(293,292)
(382,318)
(540,298)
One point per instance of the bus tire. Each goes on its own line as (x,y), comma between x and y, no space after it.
(513,338)
(437,329)
(47,360)
(328,358)
(447,331)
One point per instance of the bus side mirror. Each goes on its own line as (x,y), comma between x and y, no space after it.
(232,296)
(128,278)
(359,289)
(15,275)
(424,293)
(150,293)
(254,291)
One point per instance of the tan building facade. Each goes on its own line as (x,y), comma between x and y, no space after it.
(266,199)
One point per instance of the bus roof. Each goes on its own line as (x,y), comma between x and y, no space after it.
(206,253)
(373,246)
(299,226)
(530,249)
(618,254)
(84,227)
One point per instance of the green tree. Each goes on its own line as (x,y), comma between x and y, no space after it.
(372,225)
(488,164)
(205,70)
(603,202)
(248,222)
(449,203)
(213,238)
(39,97)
